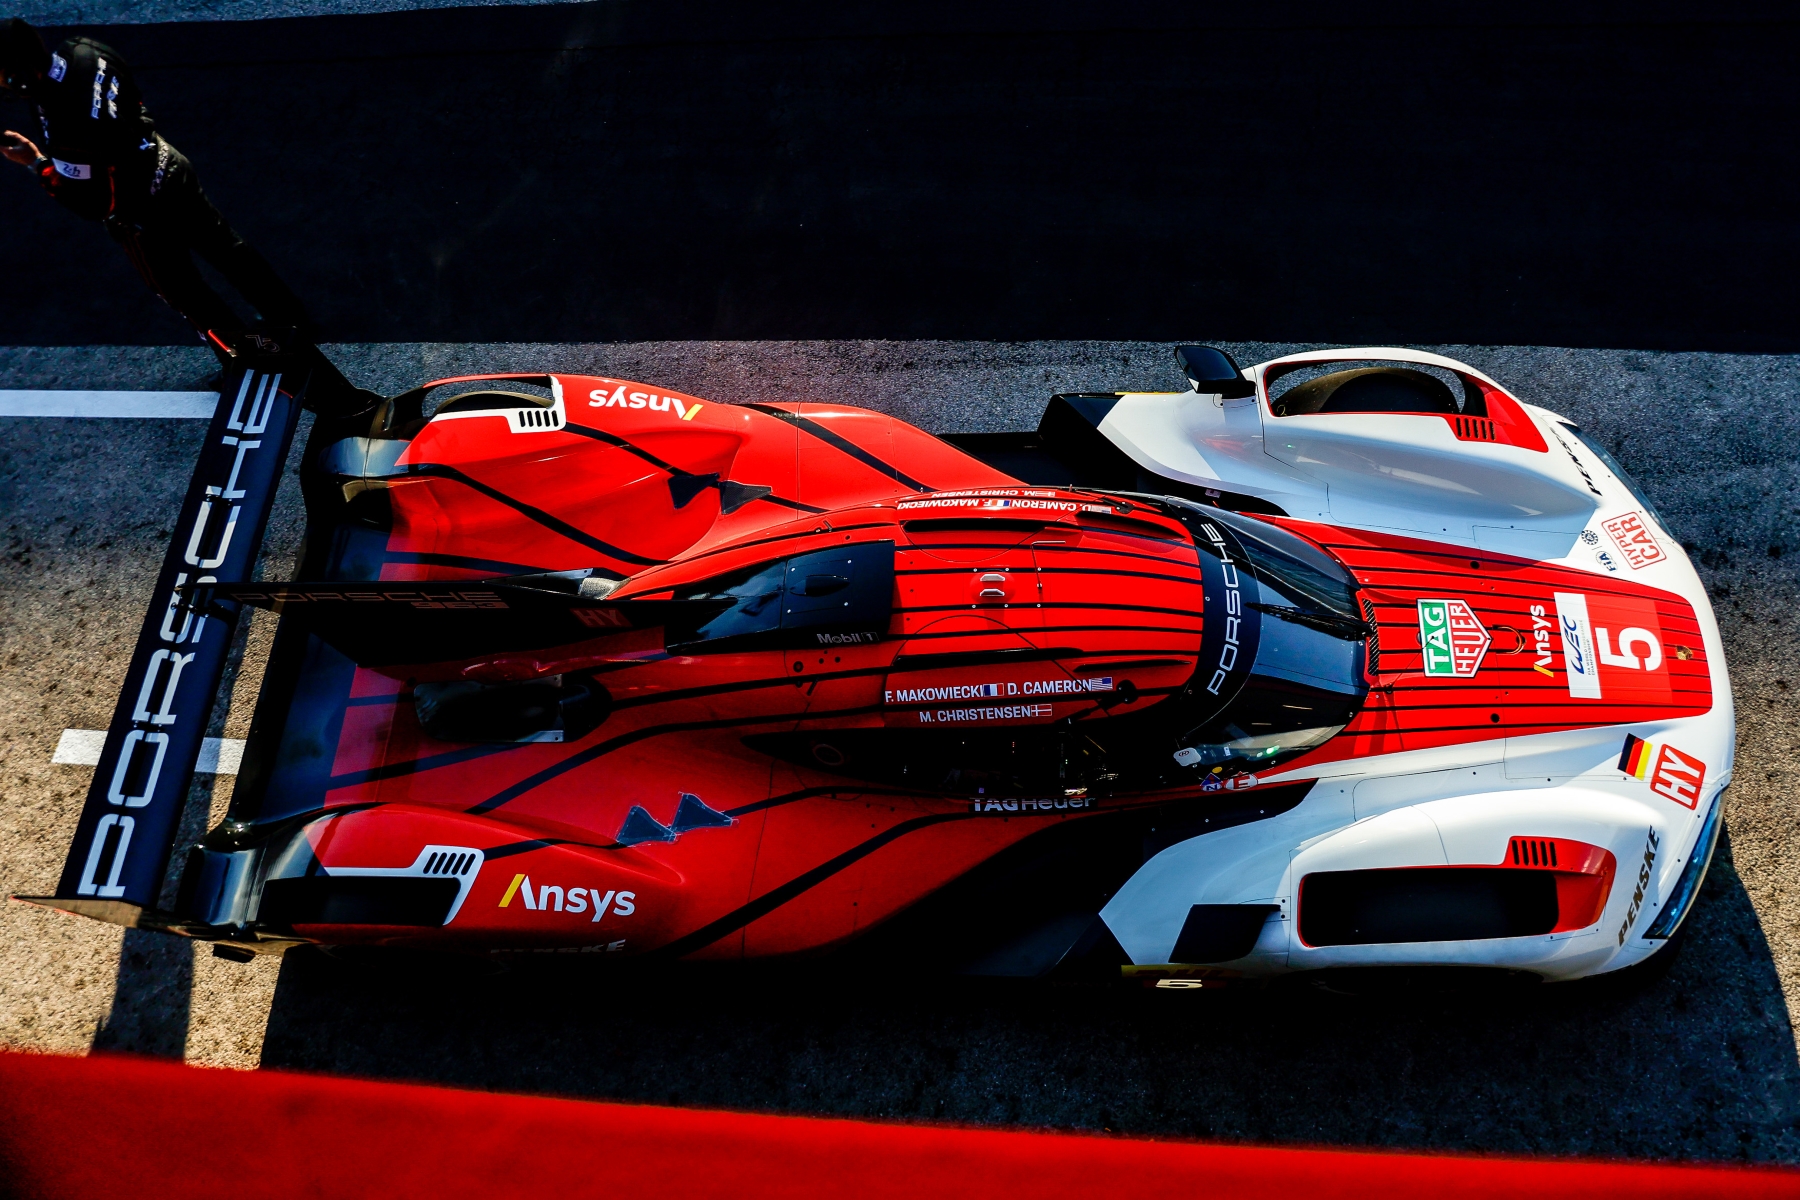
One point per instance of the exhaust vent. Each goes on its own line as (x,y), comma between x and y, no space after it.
(526,419)
(1374,650)
(441,863)
(1473,429)
(1532,852)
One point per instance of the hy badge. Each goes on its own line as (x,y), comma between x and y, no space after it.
(1672,774)
(1452,640)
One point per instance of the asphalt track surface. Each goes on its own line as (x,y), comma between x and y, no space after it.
(1700,1063)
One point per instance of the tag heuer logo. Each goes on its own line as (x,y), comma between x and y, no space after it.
(1452,641)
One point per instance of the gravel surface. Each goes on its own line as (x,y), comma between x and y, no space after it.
(1699,1063)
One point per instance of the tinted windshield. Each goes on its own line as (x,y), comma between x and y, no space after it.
(833,597)
(754,595)
(1283,649)
(1612,464)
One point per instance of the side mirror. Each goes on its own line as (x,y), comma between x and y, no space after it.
(1213,373)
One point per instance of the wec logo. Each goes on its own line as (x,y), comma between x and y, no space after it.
(575,900)
(1587,645)
(1452,640)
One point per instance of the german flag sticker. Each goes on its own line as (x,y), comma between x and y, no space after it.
(1636,757)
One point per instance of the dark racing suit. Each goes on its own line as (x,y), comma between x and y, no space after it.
(106,162)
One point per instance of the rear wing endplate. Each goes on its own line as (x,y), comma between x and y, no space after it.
(128,825)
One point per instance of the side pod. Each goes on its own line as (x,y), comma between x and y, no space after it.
(127,829)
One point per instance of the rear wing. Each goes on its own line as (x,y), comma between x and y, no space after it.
(128,825)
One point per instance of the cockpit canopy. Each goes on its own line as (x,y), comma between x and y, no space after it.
(837,597)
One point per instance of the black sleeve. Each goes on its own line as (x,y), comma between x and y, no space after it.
(100,101)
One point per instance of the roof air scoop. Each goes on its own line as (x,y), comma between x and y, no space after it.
(1213,372)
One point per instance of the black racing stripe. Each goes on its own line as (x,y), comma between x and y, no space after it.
(930,548)
(414,766)
(494,565)
(1189,580)
(613,439)
(901,662)
(1162,539)
(1519,705)
(526,847)
(855,789)
(373,701)
(1192,581)
(841,443)
(1593,584)
(742,810)
(1179,631)
(600,749)
(557,524)
(773,899)
(405,768)
(1498,732)
(748,685)
(609,667)
(1531,675)
(1134,664)
(1408,580)
(784,502)
(1091,605)
(980,658)
(1351,552)
(782,537)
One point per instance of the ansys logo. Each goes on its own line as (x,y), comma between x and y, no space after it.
(573,900)
(1452,640)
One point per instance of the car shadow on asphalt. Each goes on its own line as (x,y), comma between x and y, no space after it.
(151,997)
(1697,1061)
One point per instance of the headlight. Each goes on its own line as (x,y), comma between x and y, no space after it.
(1692,876)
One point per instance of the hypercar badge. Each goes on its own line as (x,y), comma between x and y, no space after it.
(1452,641)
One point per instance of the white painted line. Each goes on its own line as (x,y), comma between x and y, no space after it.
(108,404)
(81,748)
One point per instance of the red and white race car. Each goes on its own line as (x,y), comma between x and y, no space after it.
(1347,660)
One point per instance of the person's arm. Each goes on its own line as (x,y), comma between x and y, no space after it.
(20,149)
(16,147)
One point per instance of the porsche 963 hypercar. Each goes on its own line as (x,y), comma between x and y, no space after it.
(1348,660)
